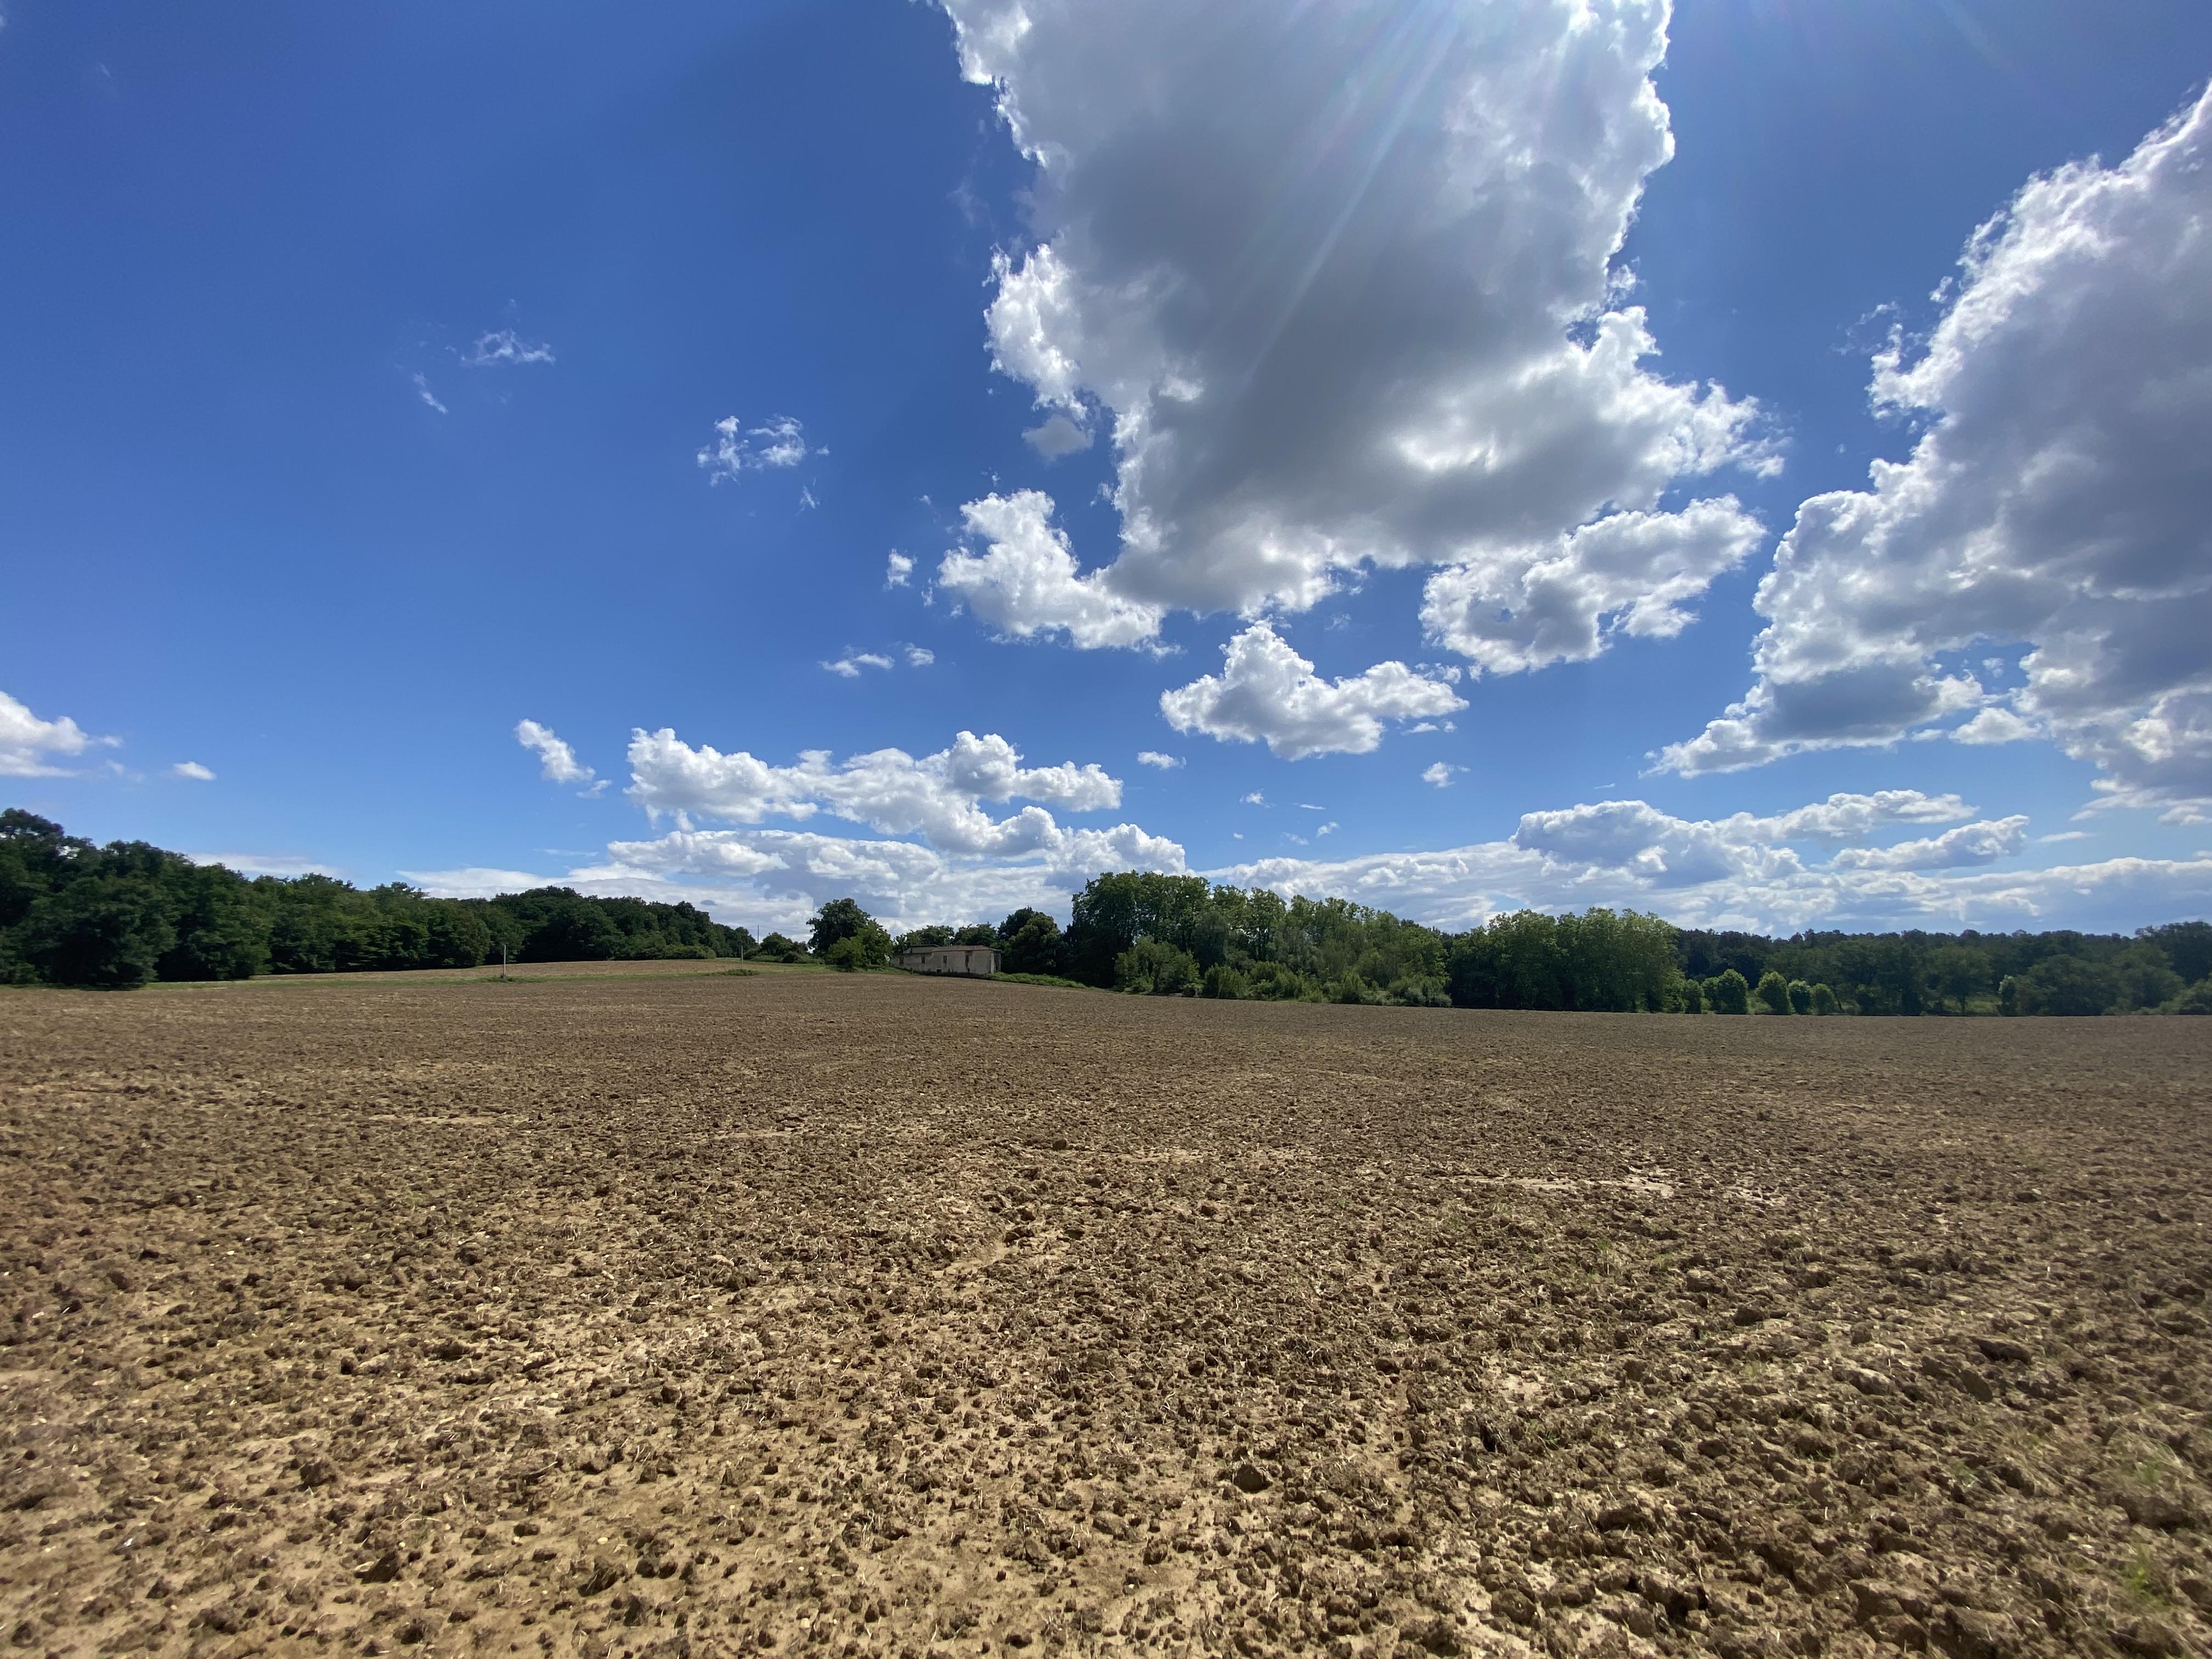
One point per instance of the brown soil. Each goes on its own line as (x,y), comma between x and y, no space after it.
(692,1314)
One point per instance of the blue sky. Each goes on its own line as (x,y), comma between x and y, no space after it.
(372,383)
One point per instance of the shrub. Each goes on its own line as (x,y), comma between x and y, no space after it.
(1824,1000)
(870,948)
(1225,983)
(1352,988)
(1774,992)
(1730,993)
(1800,997)
(1149,967)
(1411,991)
(2196,1000)
(777,948)
(1690,998)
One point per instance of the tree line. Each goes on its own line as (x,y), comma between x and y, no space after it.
(1182,935)
(128,913)
(120,915)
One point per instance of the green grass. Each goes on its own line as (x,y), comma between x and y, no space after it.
(1045,978)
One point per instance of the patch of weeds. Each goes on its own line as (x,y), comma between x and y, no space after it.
(2146,1580)
(738,973)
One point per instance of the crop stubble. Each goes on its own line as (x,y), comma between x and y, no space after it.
(871,1314)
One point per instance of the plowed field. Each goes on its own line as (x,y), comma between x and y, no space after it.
(705,1314)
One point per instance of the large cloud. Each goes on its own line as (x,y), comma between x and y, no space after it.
(1340,279)
(888,790)
(775,879)
(2059,500)
(1265,691)
(939,858)
(1772,874)
(28,745)
(1025,581)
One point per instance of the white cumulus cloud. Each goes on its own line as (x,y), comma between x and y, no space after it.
(1026,582)
(557,761)
(2056,503)
(1339,281)
(1521,607)
(1440,774)
(1968,844)
(1267,692)
(898,570)
(29,745)
(1154,757)
(936,797)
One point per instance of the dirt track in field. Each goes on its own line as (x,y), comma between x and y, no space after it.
(698,1314)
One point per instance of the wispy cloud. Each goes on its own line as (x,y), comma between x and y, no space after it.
(849,665)
(267,864)
(898,569)
(504,346)
(423,391)
(1153,758)
(1441,774)
(193,771)
(736,449)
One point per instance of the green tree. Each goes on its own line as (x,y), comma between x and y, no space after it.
(864,950)
(2069,986)
(1690,998)
(1729,993)
(778,948)
(1958,972)
(2187,947)
(2008,995)
(1034,947)
(577,930)
(2146,981)
(1800,997)
(839,919)
(106,932)
(2196,1000)
(1774,992)
(1824,999)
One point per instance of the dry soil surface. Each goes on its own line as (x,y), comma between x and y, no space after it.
(701,1314)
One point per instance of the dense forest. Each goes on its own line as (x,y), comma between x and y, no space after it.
(1167,935)
(120,915)
(127,913)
